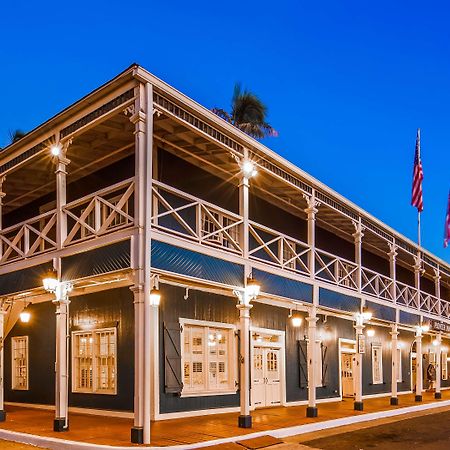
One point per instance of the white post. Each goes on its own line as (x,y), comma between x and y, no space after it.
(2,196)
(419,365)
(311,212)
(140,432)
(357,366)
(2,368)
(437,287)
(244,419)
(393,270)
(395,364)
(437,393)
(358,235)
(61,193)
(311,410)
(61,422)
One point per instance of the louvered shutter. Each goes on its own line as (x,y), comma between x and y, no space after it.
(303,360)
(325,375)
(172,358)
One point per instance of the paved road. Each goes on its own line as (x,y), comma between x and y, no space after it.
(429,432)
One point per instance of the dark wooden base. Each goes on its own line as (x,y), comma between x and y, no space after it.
(418,398)
(437,395)
(245,421)
(394,401)
(59,424)
(311,411)
(358,406)
(137,435)
(2,415)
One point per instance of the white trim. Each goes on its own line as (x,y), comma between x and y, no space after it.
(319,400)
(377,346)
(384,394)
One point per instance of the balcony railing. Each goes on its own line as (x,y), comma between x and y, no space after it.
(184,216)
(102,212)
(29,238)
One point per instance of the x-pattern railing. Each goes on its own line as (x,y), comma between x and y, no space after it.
(29,238)
(272,247)
(376,284)
(429,303)
(335,270)
(406,295)
(184,215)
(100,213)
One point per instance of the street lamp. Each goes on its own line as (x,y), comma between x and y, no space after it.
(248,168)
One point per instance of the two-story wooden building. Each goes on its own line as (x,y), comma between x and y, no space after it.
(170,265)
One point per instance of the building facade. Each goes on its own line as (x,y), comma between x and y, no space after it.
(169,265)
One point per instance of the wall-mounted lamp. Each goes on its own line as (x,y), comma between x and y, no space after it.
(50,281)
(425,327)
(295,316)
(155,294)
(55,149)
(251,291)
(25,316)
(363,316)
(248,168)
(435,342)
(370,332)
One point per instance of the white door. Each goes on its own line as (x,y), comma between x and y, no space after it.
(347,374)
(266,377)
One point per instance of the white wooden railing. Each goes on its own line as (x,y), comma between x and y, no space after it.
(29,238)
(182,215)
(189,217)
(100,213)
(275,248)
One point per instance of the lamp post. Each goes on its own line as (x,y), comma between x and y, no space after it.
(360,318)
(251,291)
(61,291)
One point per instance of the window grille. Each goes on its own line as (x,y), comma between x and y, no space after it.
(94,361)
(20,363)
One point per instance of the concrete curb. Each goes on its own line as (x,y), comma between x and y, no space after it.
(63,444)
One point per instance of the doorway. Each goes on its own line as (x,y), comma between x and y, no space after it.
(267,368)
(347,350)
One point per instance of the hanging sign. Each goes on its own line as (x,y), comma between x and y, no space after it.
(440,326)
(361,343)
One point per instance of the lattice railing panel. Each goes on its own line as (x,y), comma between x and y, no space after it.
(335,270)
(29,238)
(184,215)
(275,248)
(375,284)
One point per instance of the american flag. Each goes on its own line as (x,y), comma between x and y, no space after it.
(447,224)
(416,198)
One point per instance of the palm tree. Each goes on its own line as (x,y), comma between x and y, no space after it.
(248,113)
(16,135)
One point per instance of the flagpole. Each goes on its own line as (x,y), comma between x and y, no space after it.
(418,228)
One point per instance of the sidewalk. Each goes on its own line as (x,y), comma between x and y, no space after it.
(99,430)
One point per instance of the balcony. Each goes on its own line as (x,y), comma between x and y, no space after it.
(184,217)
(95,215)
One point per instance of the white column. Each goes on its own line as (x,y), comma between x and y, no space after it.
(61,422)
(311,212)
(2,196)
(437,287)
(140,432)
(437,393)
(2,368)
(419,366)
(311,410)
(395,364)
(393,270)
(357,367)
(61,193)
(244,419)
(358,235)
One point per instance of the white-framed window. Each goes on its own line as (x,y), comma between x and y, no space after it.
(399,365)
(19,355)
(94,361)
(319,364)
(289,260)
(211,229)
(377,363)
(208,357)
(444,366)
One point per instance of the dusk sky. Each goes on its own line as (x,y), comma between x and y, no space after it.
(347,83)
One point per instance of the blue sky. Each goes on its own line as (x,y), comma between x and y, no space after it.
(347,83)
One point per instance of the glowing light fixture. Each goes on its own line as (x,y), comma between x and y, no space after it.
(296,319)
(249,169)
(50,281)
(55,149)
(155,297)
(366,314)
(252,289)
(371,332)
(425,327)
(435,342)
(25,316)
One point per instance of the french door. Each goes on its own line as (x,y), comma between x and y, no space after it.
(266,386)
